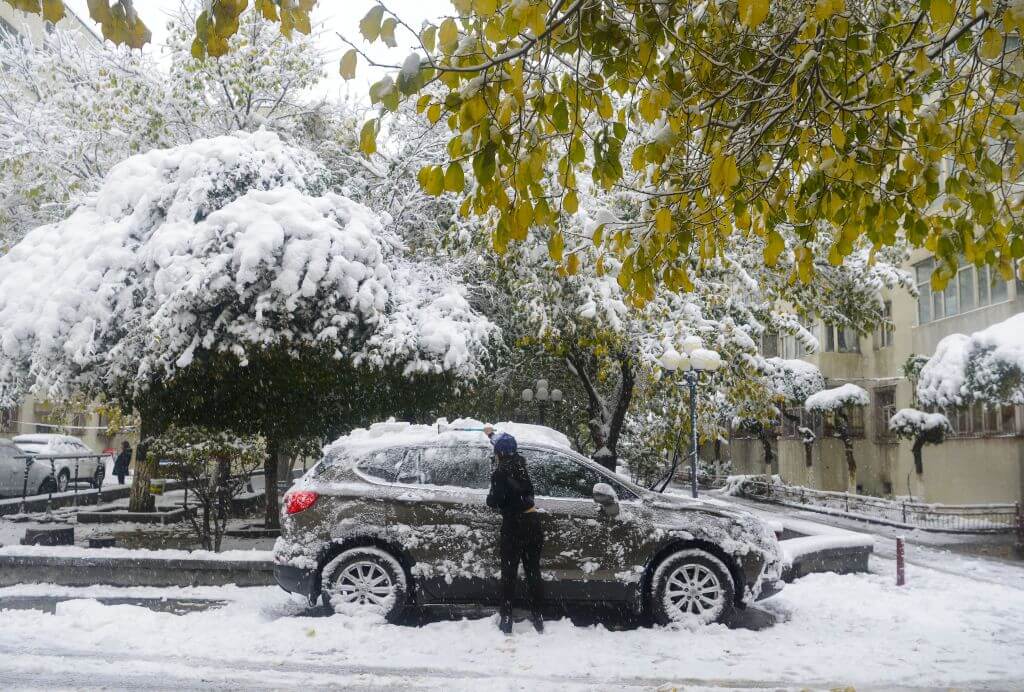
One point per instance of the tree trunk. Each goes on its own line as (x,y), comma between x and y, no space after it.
(769,452)
(843,429)
(917,449)
(605,425)
(272,510)
(140,499)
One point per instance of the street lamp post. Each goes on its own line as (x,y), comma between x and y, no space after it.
(692,361)
(542,396)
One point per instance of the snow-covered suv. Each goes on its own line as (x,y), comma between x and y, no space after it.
(395,515)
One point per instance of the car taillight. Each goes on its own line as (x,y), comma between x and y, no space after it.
(299,501)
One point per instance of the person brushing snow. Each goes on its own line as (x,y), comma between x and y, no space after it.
(522,536)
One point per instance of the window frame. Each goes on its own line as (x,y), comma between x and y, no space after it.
(617,483)
(937,304)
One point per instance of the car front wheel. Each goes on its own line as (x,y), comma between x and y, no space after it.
(365,580)
(692,586)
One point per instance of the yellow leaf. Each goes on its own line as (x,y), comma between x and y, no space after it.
(991,44)
(454,178)
(556,246)
(348,64)
(753,12)
(434,180)
(571,202)
(838,136)
(448,35)
(773,248)
(572,265)
(485,8)
(387,32)
(368,137)
(663,220)
(369,26)
(724,174)
(434,113)
(53,10)
(429,37)
(941,13)
(922,65)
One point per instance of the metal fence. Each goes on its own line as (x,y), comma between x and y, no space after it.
(74,478)
(978,518)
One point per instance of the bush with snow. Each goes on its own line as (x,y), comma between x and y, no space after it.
(228,245)
(986,366)
(837,398)
(921,427)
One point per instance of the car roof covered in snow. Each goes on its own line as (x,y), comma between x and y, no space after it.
(45,439)
(461,431)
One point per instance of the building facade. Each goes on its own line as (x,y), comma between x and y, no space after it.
(983,461)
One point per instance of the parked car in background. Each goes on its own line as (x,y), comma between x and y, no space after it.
(71,458)
(396,515)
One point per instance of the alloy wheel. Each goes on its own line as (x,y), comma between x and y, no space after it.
(694,590)
(364,583)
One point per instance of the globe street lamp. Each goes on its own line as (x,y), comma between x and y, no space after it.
(542,396)
(691,362)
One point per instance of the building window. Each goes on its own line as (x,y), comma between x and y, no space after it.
(854,414)
(984,420)
(884,333)
(841,339)
(797,417)
(770,345)
(792,347)
(971,288)
(885,409)
(7,416)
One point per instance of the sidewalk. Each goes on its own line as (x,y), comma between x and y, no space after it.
(956,554)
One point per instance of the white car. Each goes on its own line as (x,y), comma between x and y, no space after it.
(65,452)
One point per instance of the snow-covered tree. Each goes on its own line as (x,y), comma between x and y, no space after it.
(986,366)
(69,111)
(921,427)
(214,255)
(837,404)
(262,81)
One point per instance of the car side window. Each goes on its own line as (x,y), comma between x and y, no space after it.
(461,467)
(556,475)
(383,464)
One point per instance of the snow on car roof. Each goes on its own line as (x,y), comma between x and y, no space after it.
(459,431)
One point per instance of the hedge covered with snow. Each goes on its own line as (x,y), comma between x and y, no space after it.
(837,398)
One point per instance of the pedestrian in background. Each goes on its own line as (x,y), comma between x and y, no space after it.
(121,463)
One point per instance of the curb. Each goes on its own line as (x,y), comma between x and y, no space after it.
(78,571)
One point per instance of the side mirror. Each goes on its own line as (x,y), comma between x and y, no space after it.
(605,496)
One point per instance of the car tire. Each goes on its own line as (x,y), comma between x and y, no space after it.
(692,586)
(63,481)
(365,580)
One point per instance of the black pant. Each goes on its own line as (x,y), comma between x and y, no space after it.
(522,538)
(120,478)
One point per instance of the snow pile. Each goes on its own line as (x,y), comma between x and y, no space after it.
(794,380)
(908,422)
(227,244)
(837,398)
(458,432)
(987,365)
(78,553)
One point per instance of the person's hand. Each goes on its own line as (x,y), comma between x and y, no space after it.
(489,430)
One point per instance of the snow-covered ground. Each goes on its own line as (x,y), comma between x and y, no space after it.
(832,631)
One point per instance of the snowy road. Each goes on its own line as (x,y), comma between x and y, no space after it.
(832,631)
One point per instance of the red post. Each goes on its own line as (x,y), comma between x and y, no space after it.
(901,570)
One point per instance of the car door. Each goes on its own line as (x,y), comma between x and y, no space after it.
(9,470)
(587,553)
(453,533)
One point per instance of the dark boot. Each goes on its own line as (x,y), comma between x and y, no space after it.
(538,622)
(505,623)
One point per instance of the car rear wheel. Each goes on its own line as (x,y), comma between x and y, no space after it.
(365,580)
(63,480)
(692,586)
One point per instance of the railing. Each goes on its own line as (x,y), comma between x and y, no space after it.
(976,518)
(31,459)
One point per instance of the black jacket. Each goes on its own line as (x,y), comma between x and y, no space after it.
(511,489)
(122,461)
